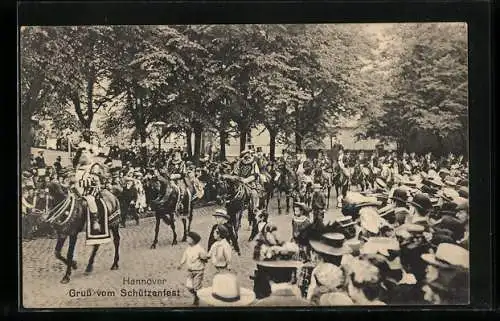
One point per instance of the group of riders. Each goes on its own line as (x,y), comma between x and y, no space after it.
(255,178)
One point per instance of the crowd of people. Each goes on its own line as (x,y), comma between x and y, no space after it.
(402,240)
(402,244)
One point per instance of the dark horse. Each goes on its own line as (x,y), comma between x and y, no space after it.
(68,216)
(360,178)
(237,197)
(286,183)
(266,178)
(341,183)
(165,209)
(324,178)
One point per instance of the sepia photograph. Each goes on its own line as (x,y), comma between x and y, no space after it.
(244,165)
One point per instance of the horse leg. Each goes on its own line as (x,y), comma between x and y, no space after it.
(328,197)
(287,198)
(172,226)
(116,241)
(279,203)
(184,228)
(69,258)
(157,229)
(59,245)
(90,264)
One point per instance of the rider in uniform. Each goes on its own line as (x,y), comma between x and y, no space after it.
(89,176)
(248,171)
(176,169)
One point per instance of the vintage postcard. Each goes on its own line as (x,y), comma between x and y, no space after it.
(249,165)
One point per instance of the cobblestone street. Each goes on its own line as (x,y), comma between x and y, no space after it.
(41,271)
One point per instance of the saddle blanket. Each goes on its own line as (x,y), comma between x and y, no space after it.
(103,235)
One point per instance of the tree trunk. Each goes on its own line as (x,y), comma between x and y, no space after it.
(222,142)
(197,143)
(26,138)
(243,140)
(298,138)
(298,143)
(188,142)
(272,144)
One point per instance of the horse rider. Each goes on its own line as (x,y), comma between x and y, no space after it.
(176,170)
(247,169)
(89,176)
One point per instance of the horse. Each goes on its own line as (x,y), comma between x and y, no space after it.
(341,181)
(359,178)
(286,183)
(236,197)
(67,214)
(324,178)
(165,210)
(266,180)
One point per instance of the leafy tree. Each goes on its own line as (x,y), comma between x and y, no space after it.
(430,91)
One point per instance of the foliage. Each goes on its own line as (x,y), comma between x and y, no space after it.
(429,92)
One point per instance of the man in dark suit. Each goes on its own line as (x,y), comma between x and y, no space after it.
(222,218)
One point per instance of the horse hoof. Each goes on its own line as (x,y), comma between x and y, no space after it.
(73,265)
(114,267)
(65,280)
(153,246)
(174,242)
(184,239)
(89,270)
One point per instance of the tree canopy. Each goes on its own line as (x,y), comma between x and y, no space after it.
(295,80)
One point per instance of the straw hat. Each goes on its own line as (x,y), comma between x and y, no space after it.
(370,220)
(447,256)
(331,244)
(221,213)
(448,194)
(226,291)
(334,299)
(380,183)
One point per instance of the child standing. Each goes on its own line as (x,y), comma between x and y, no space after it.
(195,258)
(220,252)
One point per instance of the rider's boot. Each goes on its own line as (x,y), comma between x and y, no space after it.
(94,220)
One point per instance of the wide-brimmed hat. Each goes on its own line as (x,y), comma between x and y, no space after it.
(335,299)
(448,208)
(345,221)
(331,244)
(400,194)
(302,206)
(448,194)
(463,182)
(316,186)
(408,229)
(421,201)
(357,200)
(221,213)
(370,220)
(462,203)
(448,256)
(386,210)
(245,152)
(226,291)
(451,224)
(380,183)
(280,264)
(463,191)
(433,182)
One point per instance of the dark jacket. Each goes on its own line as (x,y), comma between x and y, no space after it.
(231,238)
